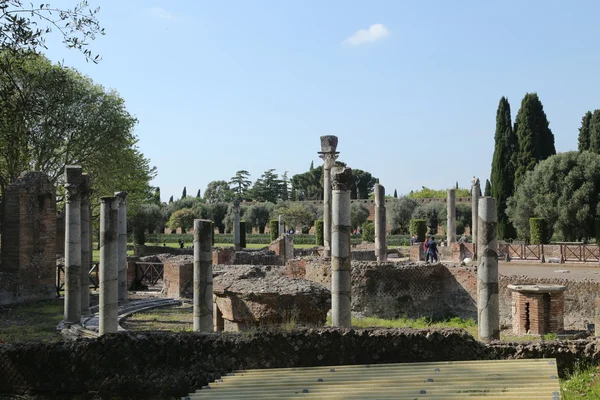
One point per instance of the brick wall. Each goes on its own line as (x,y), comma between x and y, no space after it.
(28,256)
(178,279)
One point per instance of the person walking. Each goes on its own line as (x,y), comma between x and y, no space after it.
(425,250)
(432,250)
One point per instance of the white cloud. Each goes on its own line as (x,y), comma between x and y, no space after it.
(372,34)
(161,13)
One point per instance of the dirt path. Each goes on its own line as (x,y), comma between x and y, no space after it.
(562,271)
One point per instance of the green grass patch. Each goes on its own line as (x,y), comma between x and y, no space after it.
(31,322)
(583,383)
(172,318)
(469,325)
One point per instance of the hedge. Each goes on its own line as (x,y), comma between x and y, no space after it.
(418,227)
(368,233)
(538,230)
(319,233)
(274,229)
(598,231)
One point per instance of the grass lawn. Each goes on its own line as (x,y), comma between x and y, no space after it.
(584,383)
(31,322)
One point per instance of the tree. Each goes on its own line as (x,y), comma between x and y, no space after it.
(594,127)
(535,139)
(58,117)
(240,183)
(268,187)
(456,187)
(488,188)
(285,187)
(362,185)
(258,215)
(295,214)
(25,28)
(426,193)
(359,214)
(218,192)
(147,218)
(183,219)
(502,184)
(584,132)
(229,220)
(170,199)
(184,193)
(463,217)
(395,194)
(198,196)
(312,166)
(564,190)
(156,197)
(217,212)
(433,213)
(399,213)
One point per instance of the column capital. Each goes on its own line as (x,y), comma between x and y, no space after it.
(121,197)
(475,182)
(328,159)
(341,178)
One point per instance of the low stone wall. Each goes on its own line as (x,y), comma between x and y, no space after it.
(152,365)
(363,255)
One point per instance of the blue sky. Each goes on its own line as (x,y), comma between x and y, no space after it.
(410,88)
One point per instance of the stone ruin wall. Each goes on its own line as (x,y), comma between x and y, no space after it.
(391,290)
(28,256)
(162,365)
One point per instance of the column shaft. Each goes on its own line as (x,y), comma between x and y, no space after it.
(380,224)
(203,278)
(122,245)
(86,244)
(451,231)
(73,245)
(474,214)
(109,231)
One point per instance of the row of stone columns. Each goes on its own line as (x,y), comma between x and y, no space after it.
(78,251)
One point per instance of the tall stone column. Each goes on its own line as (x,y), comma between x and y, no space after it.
(329,154)
(86,243)
(122,245)
(281,225)
(203,278)
(236,229)
(380,224)
(451,231)
(73,245)
(488,306)
(341,281)
(109,231)
(475,190)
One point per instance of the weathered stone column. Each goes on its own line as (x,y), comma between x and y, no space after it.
(329,154)
(122,245)
(236,229)
(73,245)
(380,224)
(86,243)
(281,226)
(475,189)
(203,278)
(341,282)
(488,306)
(451,230)
(109,231)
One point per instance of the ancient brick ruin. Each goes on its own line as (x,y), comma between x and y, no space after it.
(27,269)
(537,309)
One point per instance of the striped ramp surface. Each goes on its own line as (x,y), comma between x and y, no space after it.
(493,379)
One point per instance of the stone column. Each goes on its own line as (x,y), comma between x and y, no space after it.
(122,245)
(109,231)
(203,278)
(341,282)
(329,154)
(380,224)
(488,306)
(73,245)
(451,230)
(475,189)
(236,229)
(86,243)
(281,226)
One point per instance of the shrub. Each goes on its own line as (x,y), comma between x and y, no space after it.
(368,234)
(319,232)
(418,227)
(243,234)
(538,228)
(139,235)
(274,229)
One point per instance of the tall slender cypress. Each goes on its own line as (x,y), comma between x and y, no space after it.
(488,188)
(503,167)
(584,132)
(594,131)
(536,140)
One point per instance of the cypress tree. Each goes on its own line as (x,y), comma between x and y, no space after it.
(488,188)
(395,194)
(198,194)
(584,132)
(312,166)
(594,127)
(184,193)
(536,140)
(503,167)
(170,199)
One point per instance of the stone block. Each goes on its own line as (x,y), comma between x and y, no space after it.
(178,278)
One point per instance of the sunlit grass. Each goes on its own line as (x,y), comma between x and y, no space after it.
(584,383)
(31,322)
